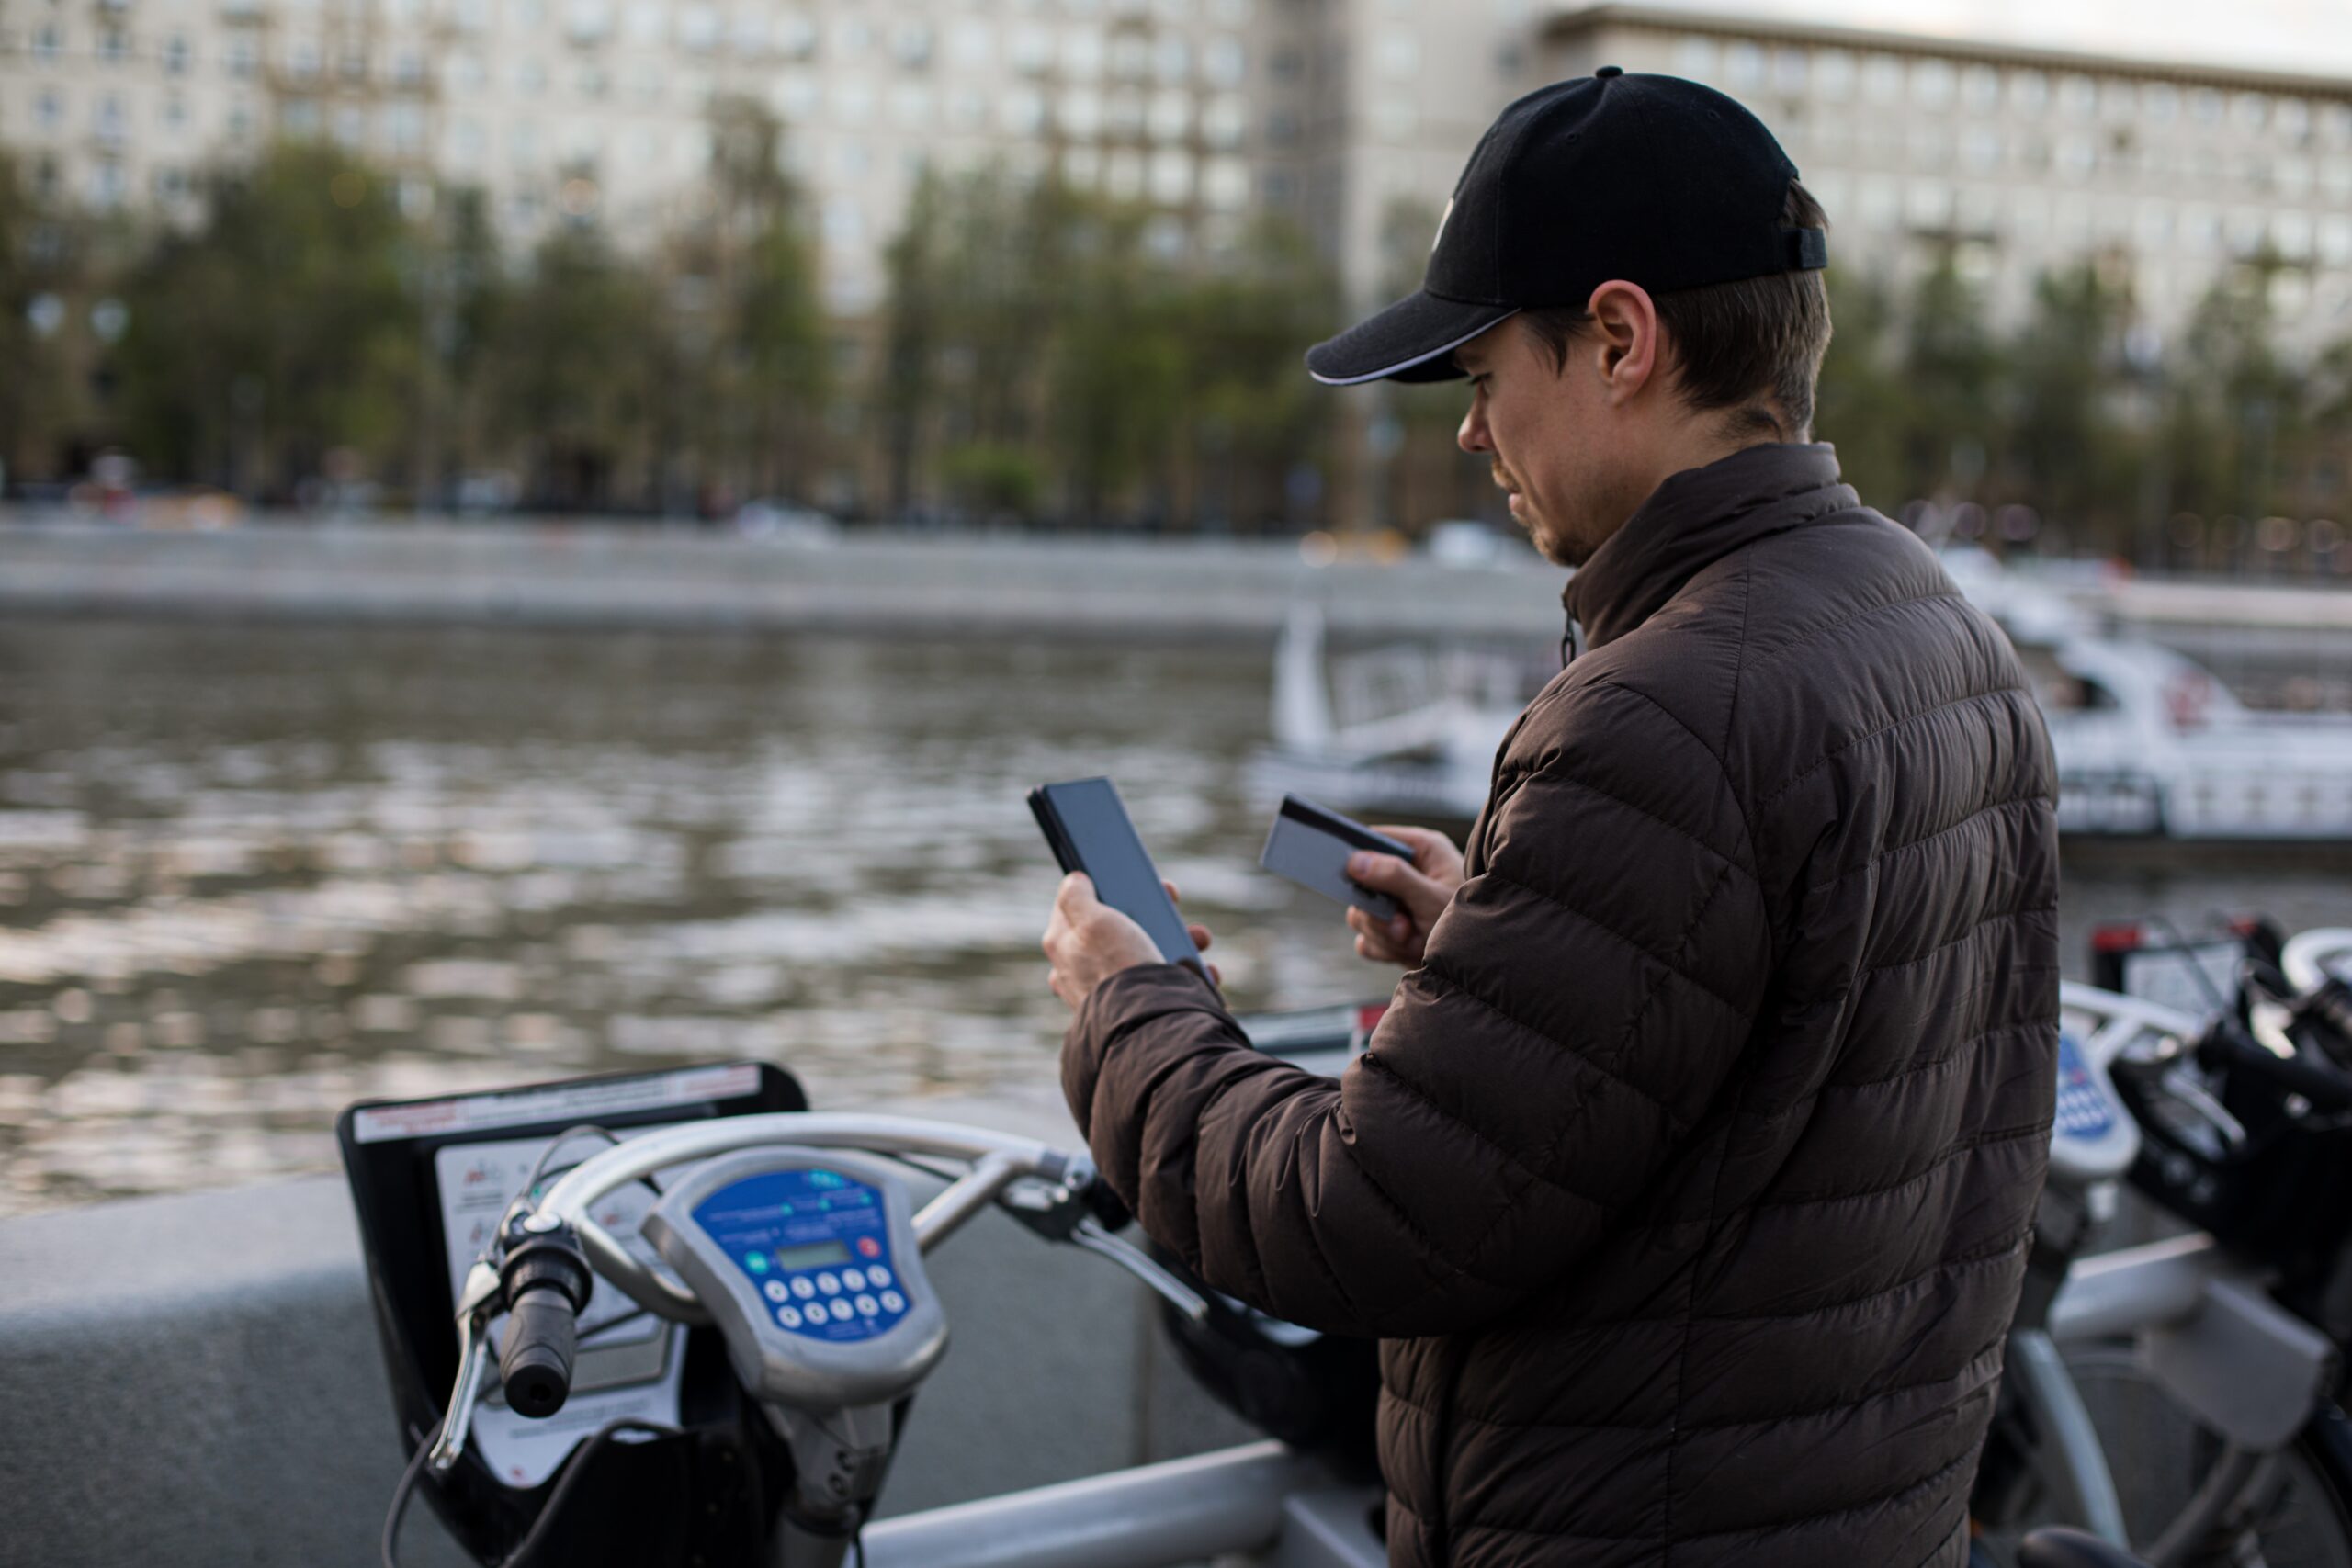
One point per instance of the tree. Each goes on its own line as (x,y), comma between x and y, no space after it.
(39,396)
(574,370)
(2068,451)
(1861,403)
(280,329)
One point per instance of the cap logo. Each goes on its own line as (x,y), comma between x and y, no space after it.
(1440,225)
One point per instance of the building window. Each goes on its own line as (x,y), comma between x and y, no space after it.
(1744,66)
(1171,116)
(971,45)
(1933,82)
(1172,59)
(645,22)
(405,129)
(238,57)
(1224,122)
(2160,102)
(1225,61)
(912,105)
(1130,57)
(530,76)
(49,109)
(1172,177)
(47,43)
(299,118)
(175,113)
(1790,69)
(408,66)
(1084,53)
(796,35)
(588,21)
(910,45)
(1022,111)
(1397,56)
(302,59)
(1883,79)
(1082,113)
(1225,183)
(698,28)
(176,54)
(1694,59)
(2248,111)
(2205,104)
(2028,92)
(1832,75)
(114,48)
(853,100)
(794,95)
(1031,50)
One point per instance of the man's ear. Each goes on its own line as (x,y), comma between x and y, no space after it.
(1625,339)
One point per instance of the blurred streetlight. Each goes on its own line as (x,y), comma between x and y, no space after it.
(45,313)
(109,319)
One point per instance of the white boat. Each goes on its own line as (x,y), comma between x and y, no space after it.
(2148,742)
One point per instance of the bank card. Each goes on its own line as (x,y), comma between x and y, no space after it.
(1310,846)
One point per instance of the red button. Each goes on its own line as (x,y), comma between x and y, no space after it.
(868,1246)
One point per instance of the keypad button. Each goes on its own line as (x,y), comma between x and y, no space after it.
(788,1316)
(868,1247)
(852,1279)
(830,1282)
(802,1288)
(893,1301)
(842,1311)
(868,1306)
(775,1291)
(877,1275)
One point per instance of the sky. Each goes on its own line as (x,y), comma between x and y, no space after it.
(2310,37)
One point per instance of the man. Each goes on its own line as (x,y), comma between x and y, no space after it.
(1687,1181)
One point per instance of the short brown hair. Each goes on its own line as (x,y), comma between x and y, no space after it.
(1753,346)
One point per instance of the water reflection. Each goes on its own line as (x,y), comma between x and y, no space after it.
(248,875)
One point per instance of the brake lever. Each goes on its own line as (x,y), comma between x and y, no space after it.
(474,1305)
(1089,1234)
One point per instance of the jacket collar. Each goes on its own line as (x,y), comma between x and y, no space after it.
(1693,520)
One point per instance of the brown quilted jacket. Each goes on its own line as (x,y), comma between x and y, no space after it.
(1687,1183)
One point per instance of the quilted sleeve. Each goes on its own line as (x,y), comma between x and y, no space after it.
(1582,1003)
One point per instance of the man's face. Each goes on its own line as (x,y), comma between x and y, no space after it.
(1542,427)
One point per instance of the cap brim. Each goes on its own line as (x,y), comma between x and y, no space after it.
(1413,340)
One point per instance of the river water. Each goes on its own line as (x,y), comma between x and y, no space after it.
(248,875)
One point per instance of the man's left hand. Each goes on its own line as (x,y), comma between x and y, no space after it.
(1087,941)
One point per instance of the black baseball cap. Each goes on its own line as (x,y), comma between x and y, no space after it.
(1653,179)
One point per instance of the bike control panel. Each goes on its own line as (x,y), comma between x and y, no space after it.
(807,1258)
(817,1244)
(2092,1136)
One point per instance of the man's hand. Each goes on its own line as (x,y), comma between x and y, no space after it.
(1422,890)
(1087,941)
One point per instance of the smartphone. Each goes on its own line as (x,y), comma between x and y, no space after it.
(1311,845)
(1088,825)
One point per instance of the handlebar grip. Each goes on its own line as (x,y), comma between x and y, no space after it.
(542,1339)
(2321,1086)
(544,1280)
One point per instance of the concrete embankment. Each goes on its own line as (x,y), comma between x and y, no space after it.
(601,575)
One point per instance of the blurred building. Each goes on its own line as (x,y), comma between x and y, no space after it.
(2017,160)
(1352,116)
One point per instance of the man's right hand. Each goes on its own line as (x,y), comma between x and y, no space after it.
(1422,890)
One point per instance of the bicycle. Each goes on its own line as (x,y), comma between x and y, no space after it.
(795,1238)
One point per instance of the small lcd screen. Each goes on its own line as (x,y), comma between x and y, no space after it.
(816,1255)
